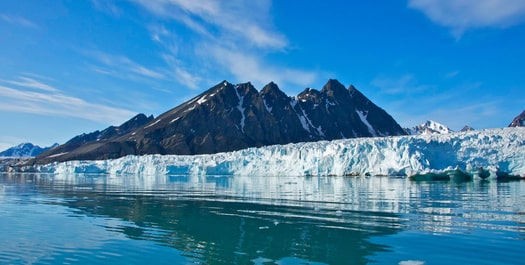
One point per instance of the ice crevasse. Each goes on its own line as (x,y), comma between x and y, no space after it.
(492,149)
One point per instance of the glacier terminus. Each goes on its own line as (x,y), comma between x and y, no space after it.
(496,151)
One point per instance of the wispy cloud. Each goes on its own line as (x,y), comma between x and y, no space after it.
(474,114)
(121,66)
(228,17)
(17,20)
(107,6)
(463,15)
(440,103)
(47,100)
(405,84)
(228,37)
(178,70)
(451,74)
(248,67)
(30,83)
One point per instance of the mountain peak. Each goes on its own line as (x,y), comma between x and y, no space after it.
(466,128)
(519,121)
(24,150)
(333,88)
(245,88)
(430,127)
(272,89)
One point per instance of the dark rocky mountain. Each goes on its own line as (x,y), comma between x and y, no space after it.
(231,117)
(24,150)
(519,121)
(83,142)
(466,128)
(112,131)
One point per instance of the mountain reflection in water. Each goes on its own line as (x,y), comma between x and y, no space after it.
(285,220)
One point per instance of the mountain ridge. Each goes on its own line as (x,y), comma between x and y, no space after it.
(25,150)
(229,117)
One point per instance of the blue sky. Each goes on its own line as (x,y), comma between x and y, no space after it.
(69,67)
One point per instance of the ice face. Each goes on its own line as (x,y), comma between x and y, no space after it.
(502,149)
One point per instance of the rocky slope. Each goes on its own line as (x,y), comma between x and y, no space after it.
(519,121)
(231,117)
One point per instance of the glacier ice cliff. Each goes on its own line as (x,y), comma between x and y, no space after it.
(493,149)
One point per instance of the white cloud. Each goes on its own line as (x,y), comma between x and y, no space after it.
(187,78)
(228,38)
(247,20)
(462,15)
(179,72)
(17,20)
(249,67)
(30,83)
(55,103)
(122,66)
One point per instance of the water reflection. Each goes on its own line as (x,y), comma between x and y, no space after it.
(228,220)
(286,220)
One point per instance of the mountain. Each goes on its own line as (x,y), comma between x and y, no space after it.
(231,117)
(466,128)
(24,150)
(519,121)
(88,142)
(429,127)
(111,131)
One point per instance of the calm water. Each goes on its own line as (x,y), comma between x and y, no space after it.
(82,219)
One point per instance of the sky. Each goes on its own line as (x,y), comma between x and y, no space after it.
(75,66)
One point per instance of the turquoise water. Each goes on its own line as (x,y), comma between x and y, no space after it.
(83,219)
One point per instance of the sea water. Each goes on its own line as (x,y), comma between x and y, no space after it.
(188,219)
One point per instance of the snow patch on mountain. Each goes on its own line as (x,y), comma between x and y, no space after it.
(240,107)
(495,149)
(362,116)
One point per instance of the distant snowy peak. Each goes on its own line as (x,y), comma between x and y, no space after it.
(24,150)
(430,127)
(519,121)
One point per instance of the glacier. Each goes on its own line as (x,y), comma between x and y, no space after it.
(500,150)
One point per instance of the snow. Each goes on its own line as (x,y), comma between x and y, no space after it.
(438,127)
(362,116)
(241,108)
(430,127)
(23,150)
(293,103)
(59,154)
(268,108)
(329,103)
(174,120)
(202,100)
(157,121)
(502,149)
(305,121)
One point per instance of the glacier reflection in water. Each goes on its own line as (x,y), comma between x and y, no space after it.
(89,219)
